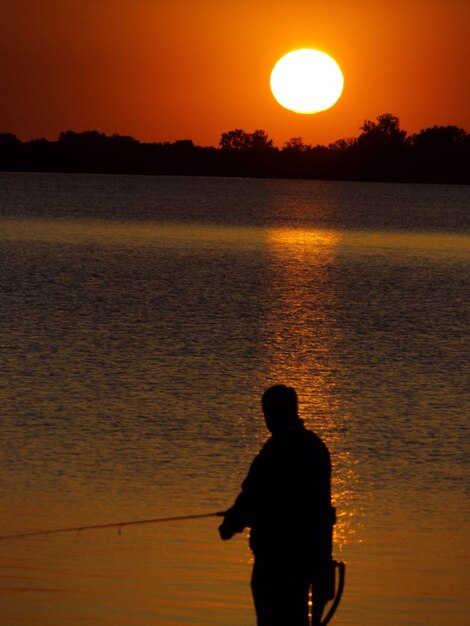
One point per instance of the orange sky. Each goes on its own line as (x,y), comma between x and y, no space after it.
(162,70)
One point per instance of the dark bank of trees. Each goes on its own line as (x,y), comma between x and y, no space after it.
(381,152)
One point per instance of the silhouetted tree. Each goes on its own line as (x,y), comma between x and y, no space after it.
(342,145)
(8,139)
(380,150)
(11,151)
(87,137)
(124,139)
(247,154)
(40,155)
(234,140)
(240,140)
(387,127)
(441,153)
(440,138)
(295,144)
(259,140)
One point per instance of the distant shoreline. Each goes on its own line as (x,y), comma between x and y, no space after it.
(383,152)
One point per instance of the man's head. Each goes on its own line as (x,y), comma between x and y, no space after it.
(280,408)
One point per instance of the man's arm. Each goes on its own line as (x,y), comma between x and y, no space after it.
(240,515)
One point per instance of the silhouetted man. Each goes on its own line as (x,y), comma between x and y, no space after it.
(286,502)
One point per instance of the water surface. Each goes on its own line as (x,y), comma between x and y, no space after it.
(142,318)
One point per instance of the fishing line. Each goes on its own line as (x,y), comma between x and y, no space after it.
(119,525)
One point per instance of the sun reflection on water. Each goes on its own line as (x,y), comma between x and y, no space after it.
(302,352)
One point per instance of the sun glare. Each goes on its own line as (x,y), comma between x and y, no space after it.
(306,81)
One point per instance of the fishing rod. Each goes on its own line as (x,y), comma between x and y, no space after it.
(118,525)
(159,520)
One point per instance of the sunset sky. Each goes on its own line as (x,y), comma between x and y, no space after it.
(162,70)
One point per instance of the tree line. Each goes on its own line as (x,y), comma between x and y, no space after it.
(382,152)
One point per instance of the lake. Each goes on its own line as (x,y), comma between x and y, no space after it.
(141,319)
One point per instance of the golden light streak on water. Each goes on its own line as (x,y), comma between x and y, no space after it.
(303,295)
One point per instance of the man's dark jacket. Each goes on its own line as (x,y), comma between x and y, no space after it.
(286,498)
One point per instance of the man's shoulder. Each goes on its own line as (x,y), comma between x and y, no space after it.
(300,439)
(315,441)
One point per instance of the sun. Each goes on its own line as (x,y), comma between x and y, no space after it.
(306,81)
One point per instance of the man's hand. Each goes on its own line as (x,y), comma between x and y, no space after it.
(233,523)
(226,531)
